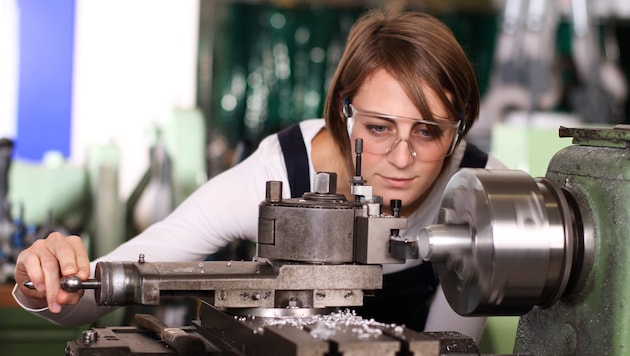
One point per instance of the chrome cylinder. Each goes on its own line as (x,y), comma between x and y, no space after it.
(119,283)
(504,242)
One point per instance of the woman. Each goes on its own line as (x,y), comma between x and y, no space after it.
(405,86)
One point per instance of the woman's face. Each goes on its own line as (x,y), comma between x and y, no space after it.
(396,173)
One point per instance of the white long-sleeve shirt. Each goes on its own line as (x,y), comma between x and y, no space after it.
(226,208)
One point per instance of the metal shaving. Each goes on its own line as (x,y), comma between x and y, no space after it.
(326,326)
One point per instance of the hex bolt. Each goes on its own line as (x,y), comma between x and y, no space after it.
(89,337)
(326,183)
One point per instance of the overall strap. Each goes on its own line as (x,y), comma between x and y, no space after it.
(295,159)
(473,157)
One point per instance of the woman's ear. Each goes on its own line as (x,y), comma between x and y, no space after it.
(347,112)
(345,108)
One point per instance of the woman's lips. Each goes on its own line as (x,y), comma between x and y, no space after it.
(397,182)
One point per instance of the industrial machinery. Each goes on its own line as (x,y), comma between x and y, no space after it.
(316,257)
(549,249)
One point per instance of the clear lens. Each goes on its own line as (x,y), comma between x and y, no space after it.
(427,140)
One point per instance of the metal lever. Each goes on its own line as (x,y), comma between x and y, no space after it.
(183,342)
(72,284)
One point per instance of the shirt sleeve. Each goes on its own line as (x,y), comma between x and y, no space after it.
(222,210)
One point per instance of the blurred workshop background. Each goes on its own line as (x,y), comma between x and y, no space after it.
(113,111)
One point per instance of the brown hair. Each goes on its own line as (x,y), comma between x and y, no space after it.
(417,49)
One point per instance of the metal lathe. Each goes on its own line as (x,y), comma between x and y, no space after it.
(552,250)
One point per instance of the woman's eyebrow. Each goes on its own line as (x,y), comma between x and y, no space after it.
(435,120)
(381,116)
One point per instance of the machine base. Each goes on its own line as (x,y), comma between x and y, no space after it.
(334,334)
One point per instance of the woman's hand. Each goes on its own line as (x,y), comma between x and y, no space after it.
(44,263)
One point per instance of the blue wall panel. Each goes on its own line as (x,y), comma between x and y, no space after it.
(45,79)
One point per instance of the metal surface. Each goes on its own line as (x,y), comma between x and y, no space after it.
(319,227)
(336,334)
(181,341)
(594,318)
(128,341)
(618,137)
(73,284)
(317,251)
(373,239)
(557,244)
(317,231)
(324,227)
(552,249)
(315,254)
(237,284)
(494,225)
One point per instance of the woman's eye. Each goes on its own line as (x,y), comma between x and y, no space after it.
(377,129)
(423,133)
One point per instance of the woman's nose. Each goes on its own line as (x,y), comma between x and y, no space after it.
(401,154)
